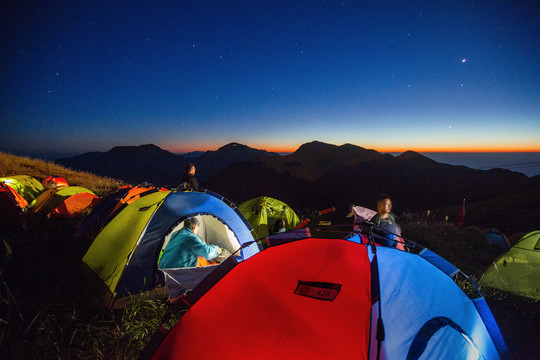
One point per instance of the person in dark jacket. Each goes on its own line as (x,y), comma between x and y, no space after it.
(188,178)
(386,221)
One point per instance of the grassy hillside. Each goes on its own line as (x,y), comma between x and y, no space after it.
(11,165)
(49,306)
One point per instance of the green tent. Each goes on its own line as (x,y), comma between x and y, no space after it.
(125,253)
(111,250)
(263,212)
(518,270)
(27,186)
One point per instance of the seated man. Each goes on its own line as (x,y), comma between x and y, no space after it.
(185,247)
(386,221)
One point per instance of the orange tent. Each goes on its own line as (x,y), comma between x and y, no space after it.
(66,201)
(74,205)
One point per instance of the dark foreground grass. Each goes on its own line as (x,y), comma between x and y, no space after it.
(50,306)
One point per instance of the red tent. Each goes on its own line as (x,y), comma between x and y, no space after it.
(54,181)
(313,309)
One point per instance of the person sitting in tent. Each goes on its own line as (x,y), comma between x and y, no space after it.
(188,178)
(279,226)
(386,221)
(185,248)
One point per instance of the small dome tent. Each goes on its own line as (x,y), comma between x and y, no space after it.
(67,201)
(54,181)
(518,270)
(263,212)
(26,186)
(324,298)
(126,252)
(496,238)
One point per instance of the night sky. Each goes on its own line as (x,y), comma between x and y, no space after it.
(421,75)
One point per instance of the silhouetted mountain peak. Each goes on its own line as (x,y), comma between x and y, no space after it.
(234,152)
(147,150)
(236,147)
(323,150)
(314,148)
(212,161)
(316,158)
(411,155)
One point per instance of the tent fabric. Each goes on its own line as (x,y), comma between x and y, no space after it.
(419,294)
(518,270)
(497,238)
(13,195)
(178,280)
(268,308)
(312,298)
(52,198)
(109,207)
(26,186)
(11,208)
(55,181)
(110,251)
(491,324)
(132,195)
(126,252)
(92,224)
(74,205)
(263,212)
(441,263)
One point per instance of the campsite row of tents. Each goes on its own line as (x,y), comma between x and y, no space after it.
(294,298)
(299,295)
(52,198)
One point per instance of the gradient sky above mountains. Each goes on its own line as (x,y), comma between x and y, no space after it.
(195,75)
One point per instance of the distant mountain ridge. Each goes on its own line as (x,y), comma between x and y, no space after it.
(320,175)
(212,162)
(316,158)
(342,175)
(150,163)
(134,164)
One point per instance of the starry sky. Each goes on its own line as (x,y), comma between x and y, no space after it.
(422,75)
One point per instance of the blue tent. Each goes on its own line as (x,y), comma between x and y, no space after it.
(125,253)
(497,239)
(425,312)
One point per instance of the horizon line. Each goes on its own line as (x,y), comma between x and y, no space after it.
(291,150)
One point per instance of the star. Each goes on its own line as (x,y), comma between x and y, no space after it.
(463,60)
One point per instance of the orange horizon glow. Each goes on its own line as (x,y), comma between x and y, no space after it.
(381,149)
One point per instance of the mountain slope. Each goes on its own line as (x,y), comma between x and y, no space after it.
(415,182)
(135,164)
(314,159)
(211,162)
